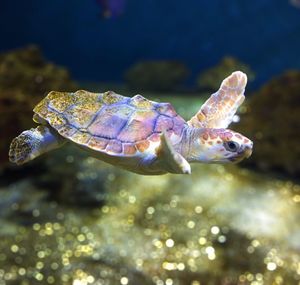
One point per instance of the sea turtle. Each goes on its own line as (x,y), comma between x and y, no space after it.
(137,134)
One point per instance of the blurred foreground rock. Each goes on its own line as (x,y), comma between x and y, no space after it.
(271,118)
(218,226)
(25,78)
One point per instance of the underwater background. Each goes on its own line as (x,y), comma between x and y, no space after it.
(67,218)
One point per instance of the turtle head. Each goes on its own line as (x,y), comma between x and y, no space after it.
(220,146)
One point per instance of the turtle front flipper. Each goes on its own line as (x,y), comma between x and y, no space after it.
(32,143)
(172,160)
(218,111)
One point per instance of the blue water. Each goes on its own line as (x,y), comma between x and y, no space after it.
(264,34)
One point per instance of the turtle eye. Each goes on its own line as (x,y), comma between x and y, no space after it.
(231,146)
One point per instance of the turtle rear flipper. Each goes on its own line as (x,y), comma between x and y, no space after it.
(174,161)
(32,143)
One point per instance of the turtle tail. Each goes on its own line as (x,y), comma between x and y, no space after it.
(32,143)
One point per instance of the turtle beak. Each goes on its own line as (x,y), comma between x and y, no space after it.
(248,152)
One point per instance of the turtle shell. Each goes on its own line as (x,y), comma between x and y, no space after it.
(108,122)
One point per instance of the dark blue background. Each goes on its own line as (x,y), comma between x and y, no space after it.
(263,33)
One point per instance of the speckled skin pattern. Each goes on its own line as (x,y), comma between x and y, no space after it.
(32,143)
(219,109)
(210,146)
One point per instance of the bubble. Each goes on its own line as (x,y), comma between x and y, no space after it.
(169,243)
(198,209)
(215,230)
(132,199)
(150,210)
(202,240)
(191,224)
(222,239)
(271,266)
(14,248)
(124,281)
(180,266)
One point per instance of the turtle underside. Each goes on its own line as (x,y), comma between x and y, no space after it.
(108,122)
